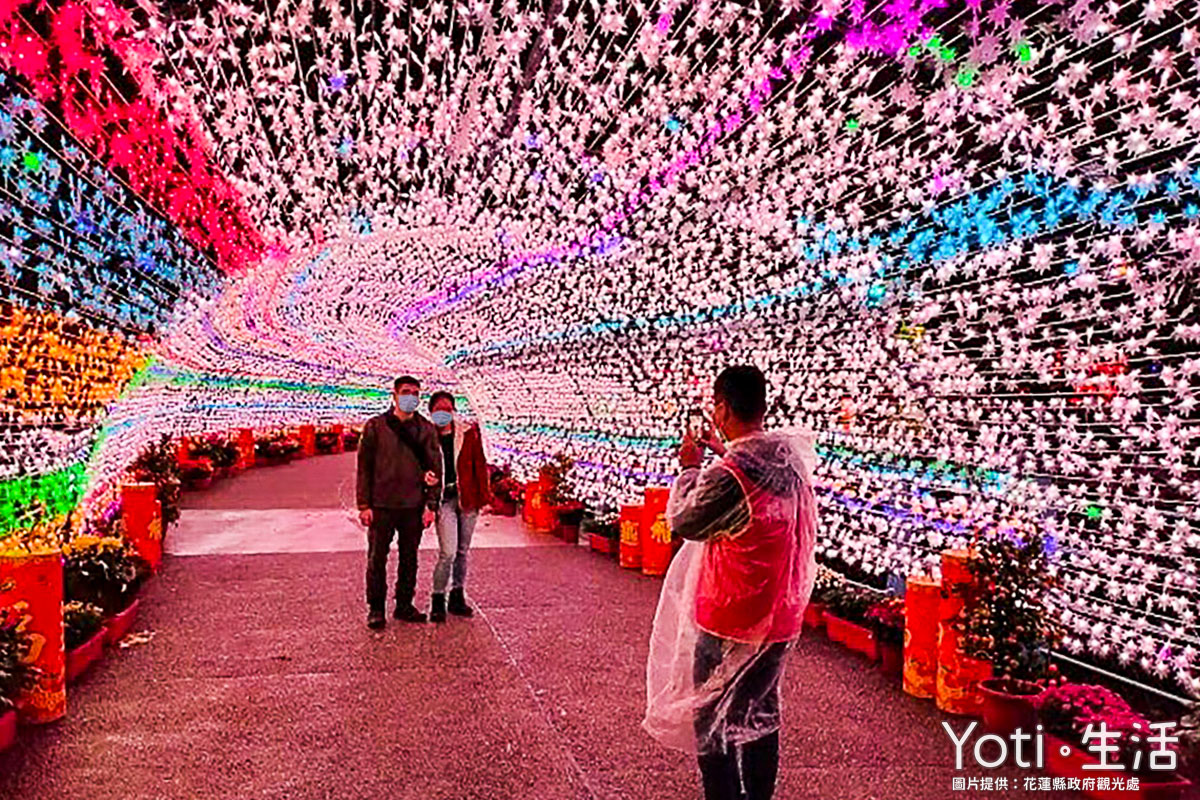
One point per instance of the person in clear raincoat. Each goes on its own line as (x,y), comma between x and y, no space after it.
(733,600)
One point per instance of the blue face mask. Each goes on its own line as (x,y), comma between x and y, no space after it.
(407,403)
(441,418)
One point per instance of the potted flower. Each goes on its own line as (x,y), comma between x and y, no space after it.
(83,629)
(603,533)
(561,497)
(223,455)
(887,618)
(158,464)
(105,573)
(1008,623)
(846,618)
(197,474)
(506,492)
(15,674)
(1068,710)
(814,613)
(326,441)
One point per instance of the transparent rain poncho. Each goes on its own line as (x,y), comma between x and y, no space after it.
(733,600)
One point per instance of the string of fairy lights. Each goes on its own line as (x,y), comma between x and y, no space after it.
(960,238)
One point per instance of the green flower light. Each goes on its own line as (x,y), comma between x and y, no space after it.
(1094,512)
(1024,51)
(851,124)
(33,161)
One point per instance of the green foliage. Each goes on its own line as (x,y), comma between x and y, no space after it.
(81,621)
(1008,617)
(158,464)
(102,572)
(558,473)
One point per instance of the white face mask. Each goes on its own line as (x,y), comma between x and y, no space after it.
(441,418)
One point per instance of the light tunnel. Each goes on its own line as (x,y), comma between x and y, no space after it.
(961,240)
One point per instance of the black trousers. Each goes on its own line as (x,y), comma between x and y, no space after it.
(405,524)
(738,771)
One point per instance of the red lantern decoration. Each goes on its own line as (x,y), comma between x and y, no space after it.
(921,600)
(654,533)
(308,440)
(245,446)
(32,586)
(957,675)
(631,546)
(142,515)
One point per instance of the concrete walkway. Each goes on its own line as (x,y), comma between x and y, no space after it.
(261,680)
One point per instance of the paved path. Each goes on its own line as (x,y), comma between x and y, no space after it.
(261,680)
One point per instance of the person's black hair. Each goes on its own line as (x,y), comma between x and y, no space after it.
(438,395)
(406,380)
(744,390)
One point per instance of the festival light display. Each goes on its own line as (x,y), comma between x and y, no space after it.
(960,237)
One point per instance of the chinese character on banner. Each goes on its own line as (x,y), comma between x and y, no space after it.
(1101,747)
(1164,755)
(973,783)
(1043,784)
(1060,784)
(958,784)
(987,784)
(1002,784)
(1030,784)
(1134,784)
(1103,784)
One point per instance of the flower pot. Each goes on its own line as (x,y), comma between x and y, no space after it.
(814,616)
(8,729)
(119,624)
(835,627)
(861,640)
(1067,761)
(601,543)
(82,657)
(891,657)
(1005,708)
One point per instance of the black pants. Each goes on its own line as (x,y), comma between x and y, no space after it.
(405,523)
(731,771)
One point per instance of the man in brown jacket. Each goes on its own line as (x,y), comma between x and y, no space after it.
(466,489)
(399,462)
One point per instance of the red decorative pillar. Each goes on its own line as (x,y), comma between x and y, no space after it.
(142,514)
(631,545)
(957,675)
(921,600)
(245,445)
(31,586)
(308,440)
(654,533)
(183,453)
(339,443)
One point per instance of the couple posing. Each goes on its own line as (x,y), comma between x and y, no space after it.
(413,474)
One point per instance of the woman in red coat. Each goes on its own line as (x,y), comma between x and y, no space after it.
(465,490)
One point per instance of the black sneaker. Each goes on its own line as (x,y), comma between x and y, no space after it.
(375,620)
(408,613)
